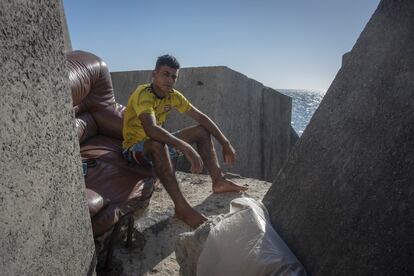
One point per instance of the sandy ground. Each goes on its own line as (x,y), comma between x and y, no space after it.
(157,231)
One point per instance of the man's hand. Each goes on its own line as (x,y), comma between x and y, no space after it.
(194,158)
(229,154)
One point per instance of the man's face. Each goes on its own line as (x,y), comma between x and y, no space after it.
(164,79)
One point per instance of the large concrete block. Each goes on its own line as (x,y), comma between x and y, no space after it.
(255,118)
(45,221)
(275,120)
(234,103)
(344,200)
(66,35)
(126,82)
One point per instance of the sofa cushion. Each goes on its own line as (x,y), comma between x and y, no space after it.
(109,216)
(110,120)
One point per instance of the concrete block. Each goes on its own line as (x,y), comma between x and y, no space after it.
(276,120)
(126,82)
(343,201)
(45,222)
(65,29)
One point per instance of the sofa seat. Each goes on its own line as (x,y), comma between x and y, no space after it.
(124,187)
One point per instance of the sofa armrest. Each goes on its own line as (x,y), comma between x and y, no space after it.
(95,202)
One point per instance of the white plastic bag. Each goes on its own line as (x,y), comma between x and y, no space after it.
(244,243)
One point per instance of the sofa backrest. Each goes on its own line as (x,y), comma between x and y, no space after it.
(93,97)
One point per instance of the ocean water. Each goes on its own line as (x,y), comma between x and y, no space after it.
(304,104)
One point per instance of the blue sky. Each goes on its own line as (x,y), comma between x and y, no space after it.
(294,44)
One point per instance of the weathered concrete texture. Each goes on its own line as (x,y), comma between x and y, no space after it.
(126,82)
(45,221)
(344,200)
(66,36)
(255,118)
(276,132)
(294,137)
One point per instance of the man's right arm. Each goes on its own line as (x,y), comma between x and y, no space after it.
(161,135)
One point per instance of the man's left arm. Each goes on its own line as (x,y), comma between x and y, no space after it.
(229,154)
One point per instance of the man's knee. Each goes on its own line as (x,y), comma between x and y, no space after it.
(154,147)
(203,133)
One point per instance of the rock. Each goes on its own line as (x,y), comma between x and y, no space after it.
(344,200)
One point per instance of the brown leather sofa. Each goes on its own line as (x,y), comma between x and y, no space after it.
(114,187)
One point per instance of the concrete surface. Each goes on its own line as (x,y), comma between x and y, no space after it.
(66,35)
(45,221)
(153,252)
(255,118)
(344,200)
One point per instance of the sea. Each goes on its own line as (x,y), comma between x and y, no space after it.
(304,104)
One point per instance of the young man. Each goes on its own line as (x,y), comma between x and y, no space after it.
(148,144)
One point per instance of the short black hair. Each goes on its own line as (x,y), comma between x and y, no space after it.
(168,60)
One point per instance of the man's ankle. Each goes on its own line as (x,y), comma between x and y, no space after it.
(217,178)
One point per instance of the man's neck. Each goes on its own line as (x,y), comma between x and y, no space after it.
(156,91)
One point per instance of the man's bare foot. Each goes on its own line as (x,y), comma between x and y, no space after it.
(224,186)
(190,217)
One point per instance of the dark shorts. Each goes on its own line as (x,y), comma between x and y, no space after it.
(135,154)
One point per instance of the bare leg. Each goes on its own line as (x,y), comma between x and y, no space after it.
(205,147)
(164,171)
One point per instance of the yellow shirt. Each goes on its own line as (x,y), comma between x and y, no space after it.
(144,100)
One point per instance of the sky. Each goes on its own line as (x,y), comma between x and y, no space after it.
(284,44)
